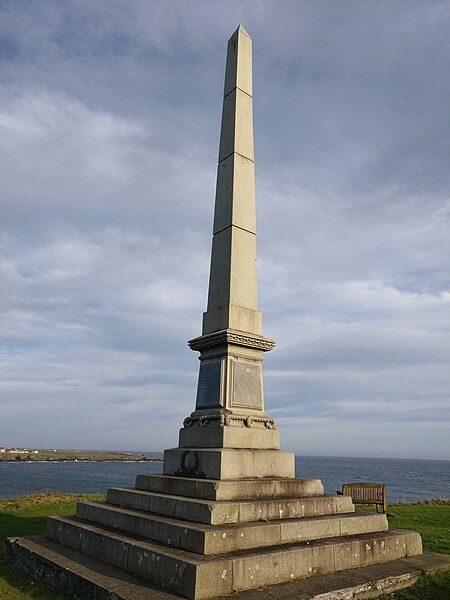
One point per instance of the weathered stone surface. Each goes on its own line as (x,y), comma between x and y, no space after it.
(229,437)
(227,463)
(186,573)
(235,194)
(105,546)
(247,385)
(83,577)
(69,571)
(287,508)
(237,125)
(363,522)
(360,550)
(206,539)
(356,584)
(413,543)
(299,530)
(198,510)
(233,489)
(88,539)
(67,534)
(238,71)
(322,527)
(232,317)
(216,512)
(233,259)
(264,568)
(294,562)
(165,530)
(241,570)
(181,507)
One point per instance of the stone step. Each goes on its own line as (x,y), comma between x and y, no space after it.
(233,489)
(201,577)
(219,539)
(68,571)
(215,512)
(71,572)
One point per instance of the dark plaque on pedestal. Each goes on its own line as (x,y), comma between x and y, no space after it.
(208,389)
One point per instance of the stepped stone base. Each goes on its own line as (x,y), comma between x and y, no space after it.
(85,578)
(201,547)
(214,539)
(228,511)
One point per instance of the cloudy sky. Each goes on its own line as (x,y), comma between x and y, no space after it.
(110,122)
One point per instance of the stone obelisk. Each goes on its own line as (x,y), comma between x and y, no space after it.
(229,411)
(227,514)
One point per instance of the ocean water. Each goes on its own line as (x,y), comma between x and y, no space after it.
(407,480)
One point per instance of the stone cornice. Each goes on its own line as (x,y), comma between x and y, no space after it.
(231,336)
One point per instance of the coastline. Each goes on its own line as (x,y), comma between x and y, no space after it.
(75,456)
(408,481)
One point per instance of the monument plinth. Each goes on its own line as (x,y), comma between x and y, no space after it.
(227,514)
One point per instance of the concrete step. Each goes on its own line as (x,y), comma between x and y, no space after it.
(201,577)
(215,512)
(232,489)
(219,539)
(66,570)
(82,577)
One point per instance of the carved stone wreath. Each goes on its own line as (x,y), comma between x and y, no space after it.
(227,420)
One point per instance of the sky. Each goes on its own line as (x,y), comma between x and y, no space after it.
(110,117)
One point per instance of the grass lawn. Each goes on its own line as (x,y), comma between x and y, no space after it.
(26,516)
(432,521)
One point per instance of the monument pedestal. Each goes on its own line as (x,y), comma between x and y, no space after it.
(200,436)
(228,463)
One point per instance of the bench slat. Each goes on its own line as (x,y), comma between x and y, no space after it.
(366,493)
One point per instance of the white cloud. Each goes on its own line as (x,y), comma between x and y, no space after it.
(110,131)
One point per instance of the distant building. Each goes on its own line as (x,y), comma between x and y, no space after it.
(2,450)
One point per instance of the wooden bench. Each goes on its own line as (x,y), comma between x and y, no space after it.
(367,493)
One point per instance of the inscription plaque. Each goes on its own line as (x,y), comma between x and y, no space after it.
(247,385)
(208,389)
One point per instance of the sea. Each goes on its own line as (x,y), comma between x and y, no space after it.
(407,480)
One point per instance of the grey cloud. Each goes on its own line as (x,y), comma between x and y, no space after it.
(110,119)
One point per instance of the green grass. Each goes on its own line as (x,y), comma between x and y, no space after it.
(432,521)
(429,587)
(26,516)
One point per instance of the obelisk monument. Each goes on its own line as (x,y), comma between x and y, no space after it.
(227,514)
(229,411)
